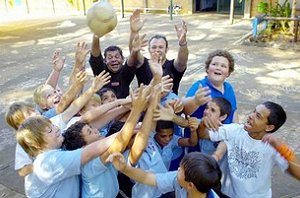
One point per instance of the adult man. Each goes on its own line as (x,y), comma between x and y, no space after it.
(121,75)
(250,160)
(158,44)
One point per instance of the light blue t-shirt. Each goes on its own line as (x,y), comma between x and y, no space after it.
(49,113)
(99,180)
(167,182)
(151,161)
(55,174)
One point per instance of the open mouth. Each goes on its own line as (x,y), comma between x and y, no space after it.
(218,73)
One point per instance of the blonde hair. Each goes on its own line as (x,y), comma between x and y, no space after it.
(95,98)
(39,95)
(16,114)
(30,134)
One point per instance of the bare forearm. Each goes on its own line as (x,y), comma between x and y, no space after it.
(190,106)
(53,78)
(182,58)
(180,121)
(140,175)
(95,46)
(27,169)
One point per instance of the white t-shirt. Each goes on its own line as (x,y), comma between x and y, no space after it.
(250,163)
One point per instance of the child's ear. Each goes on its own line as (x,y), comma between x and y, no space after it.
(190,186)
(223,117)
(269,128)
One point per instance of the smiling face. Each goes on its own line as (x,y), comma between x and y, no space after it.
(53,137)
(218,70)
(50,96)
(158,46)
(114,60)
(257,122)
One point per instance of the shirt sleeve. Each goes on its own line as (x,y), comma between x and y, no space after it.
(97,64)
(166,181)
(21,158)
(59,122)
(226,132)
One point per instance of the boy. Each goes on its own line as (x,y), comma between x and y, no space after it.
(197,175)
(218,108)
(98,172)
(250,160)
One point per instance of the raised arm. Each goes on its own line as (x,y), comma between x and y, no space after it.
(136,174)
(136,24)
(201,97)
(96,50)
(180,62)
(80,58)
(94,113)
(58,64)
(148,125)
(135,58)
(99,81)
(125,134)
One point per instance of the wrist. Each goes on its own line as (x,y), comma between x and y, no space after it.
(182,44)
(286,152)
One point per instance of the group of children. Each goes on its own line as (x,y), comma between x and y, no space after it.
(78,143)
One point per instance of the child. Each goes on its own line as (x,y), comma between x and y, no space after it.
(166,141)
(250,160)
(107,95)
(197,175)
(219,109)
(99,178)
(55,172)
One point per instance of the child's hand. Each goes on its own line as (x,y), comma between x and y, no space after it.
(118,160)
(210,123)
(193,123)
(81,78)
(140,99)
(166,84)
(271,139)
(176,104)
(101,80)
(202,95)
(155,64)
(57,61)
(163,113)
(81,53)
(138,43)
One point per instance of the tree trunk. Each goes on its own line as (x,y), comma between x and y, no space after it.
(294,5)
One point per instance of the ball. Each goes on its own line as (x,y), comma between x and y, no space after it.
(101,18)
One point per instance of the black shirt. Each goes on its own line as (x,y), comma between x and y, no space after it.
(119,81)
(144,74)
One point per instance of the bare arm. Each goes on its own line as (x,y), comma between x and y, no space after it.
(80,56)
(135,57)
(99,81)
(25,170)
(148,125)
(136,24)
(220,151)
(58,63)
(96,51)
(136,174)
(180,62)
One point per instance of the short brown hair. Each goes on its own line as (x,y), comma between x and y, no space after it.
(223,53)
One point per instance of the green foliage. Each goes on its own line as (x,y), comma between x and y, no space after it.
(278,10)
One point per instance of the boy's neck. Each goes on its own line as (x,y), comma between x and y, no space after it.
(257,136)
(196,194)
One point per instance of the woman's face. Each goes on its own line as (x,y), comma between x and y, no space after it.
(218,70)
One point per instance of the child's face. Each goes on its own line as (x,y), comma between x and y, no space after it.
(218,69)
(257,121)
(108,96)
(90,134)
(53,137)
(50,96)
(164,136)
(212,110)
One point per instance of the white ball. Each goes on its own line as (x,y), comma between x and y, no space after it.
(101,18)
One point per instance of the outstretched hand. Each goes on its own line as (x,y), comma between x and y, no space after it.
(140,98)
(181,31)
(138,43)
(101,80)
(57,61)
(163,113)
(193,123)
(136,23)
(202,95)
(211,123)
(118,160)
(81,77)
(80,53)
(156,65)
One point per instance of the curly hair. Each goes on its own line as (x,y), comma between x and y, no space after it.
(223,53)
